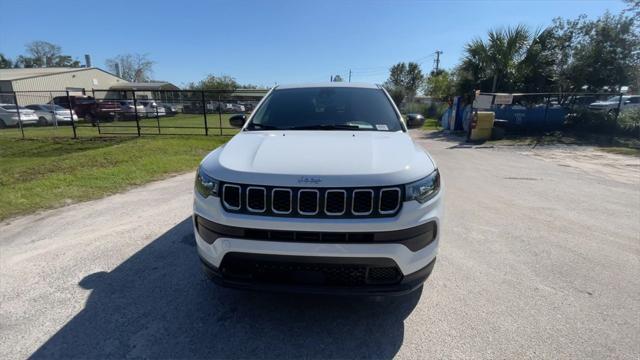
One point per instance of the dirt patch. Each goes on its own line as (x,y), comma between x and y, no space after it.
(622,168)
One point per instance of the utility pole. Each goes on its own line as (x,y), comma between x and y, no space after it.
(438,52)
(349,75)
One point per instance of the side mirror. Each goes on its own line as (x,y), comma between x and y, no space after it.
(414,121)
(238,120)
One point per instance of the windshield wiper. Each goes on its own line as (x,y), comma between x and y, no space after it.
(325,127)
(263,127)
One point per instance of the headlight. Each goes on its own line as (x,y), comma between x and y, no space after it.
(205,184)
(423,190)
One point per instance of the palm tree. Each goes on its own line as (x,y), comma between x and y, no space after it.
(507,57)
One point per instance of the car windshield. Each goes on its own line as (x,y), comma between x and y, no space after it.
(326,108)
(615,98)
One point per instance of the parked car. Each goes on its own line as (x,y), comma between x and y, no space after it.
(610,106)
(323,190)
(581,102)
(169,109)
(249,105)
(415,120)
(128,111)
(52,114)
(151,109)
(89,108)
(9,116)
(195,107)
(231,108)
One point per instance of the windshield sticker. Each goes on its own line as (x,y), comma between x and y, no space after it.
(382,127)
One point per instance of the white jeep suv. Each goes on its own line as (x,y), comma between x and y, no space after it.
(322,190)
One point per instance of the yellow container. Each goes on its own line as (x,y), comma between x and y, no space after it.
(482,125)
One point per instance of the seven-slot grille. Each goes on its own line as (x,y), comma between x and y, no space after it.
(311,202)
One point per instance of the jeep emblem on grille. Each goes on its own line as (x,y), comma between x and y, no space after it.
(309,180)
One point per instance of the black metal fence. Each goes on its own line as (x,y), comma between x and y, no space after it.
(123,112)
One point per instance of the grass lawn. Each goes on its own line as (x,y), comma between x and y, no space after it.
(181,124)
(43,172)
(431,124)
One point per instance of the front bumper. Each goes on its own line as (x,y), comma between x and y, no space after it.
(295,280)
(401,242)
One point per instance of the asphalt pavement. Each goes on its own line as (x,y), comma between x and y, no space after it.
(537,260)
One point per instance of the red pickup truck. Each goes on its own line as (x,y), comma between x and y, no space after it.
(90,109)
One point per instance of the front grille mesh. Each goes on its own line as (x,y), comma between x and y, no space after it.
(308,202)
(291,272)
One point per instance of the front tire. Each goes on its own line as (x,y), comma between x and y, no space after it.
(2,124)
(42,121)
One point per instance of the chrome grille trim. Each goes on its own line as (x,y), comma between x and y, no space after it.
(284,201)
(224,196)
(344,202)
(353,202)
(290,201)
(317,201)
(264,197)
(397,203)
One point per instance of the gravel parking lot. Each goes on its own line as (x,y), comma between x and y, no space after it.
(538,259)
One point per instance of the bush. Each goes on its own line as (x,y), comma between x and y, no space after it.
(629,122)
(591,121)
(435,110)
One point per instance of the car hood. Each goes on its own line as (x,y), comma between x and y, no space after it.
(604,103)
(22,111)
(319,159)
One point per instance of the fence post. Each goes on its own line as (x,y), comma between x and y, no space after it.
(93,93)
(135,110)
(204,112)
(619,107)
(220,113)
(158,116)
(53,110)
(73,123)
(546,110)
(15,100)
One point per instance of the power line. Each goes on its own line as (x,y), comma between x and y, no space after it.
(383,69)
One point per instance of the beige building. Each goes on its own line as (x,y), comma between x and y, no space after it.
(45,83)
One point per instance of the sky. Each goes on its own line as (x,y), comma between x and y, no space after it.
(269,42)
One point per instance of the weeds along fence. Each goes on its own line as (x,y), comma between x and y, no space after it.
(62,113)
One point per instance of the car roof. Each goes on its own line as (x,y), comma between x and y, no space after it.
(328,85)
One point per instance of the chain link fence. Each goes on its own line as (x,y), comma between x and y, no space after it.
(123,112)
(533,112)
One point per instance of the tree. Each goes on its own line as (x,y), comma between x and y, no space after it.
(494,64)
(5,62)
(337,78)
(440,85)
(633,7)
(224,82)
(404,81)
(44,54)
(212,82)
(598,53)
(133,67)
